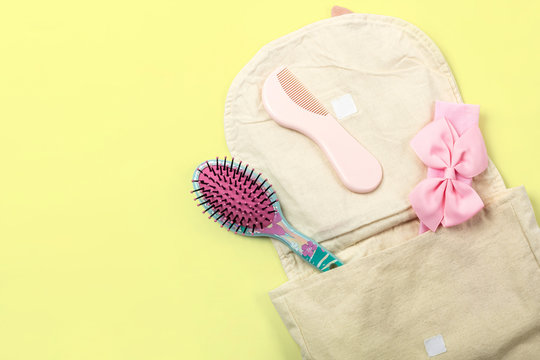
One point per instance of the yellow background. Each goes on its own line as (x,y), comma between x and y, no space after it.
(106,108)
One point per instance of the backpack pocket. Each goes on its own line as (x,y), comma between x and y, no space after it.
(476,284)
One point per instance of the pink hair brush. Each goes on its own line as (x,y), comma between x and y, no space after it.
(292,106)
(242,202)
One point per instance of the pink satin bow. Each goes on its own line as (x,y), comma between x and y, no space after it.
(453,149)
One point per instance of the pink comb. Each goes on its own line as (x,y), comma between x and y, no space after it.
(291,105)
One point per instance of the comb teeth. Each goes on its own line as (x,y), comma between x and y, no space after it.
(299,93)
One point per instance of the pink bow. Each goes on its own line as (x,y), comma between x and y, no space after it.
(453,149)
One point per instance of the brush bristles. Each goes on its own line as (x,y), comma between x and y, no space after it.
(299,93)
(234,196)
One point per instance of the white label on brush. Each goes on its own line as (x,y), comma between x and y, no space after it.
(435,345)
(344,106)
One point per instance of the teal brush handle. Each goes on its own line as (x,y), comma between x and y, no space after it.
(308,249)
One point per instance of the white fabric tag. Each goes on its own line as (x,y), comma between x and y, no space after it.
(435,345)
(344,106)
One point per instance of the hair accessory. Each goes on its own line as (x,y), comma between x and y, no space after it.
(292,106)
(245,203)
(453,149)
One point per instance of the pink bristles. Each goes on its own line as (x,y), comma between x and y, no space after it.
(299,93)
(234,197)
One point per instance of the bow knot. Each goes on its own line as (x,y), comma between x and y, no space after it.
(450,173)
(453,158)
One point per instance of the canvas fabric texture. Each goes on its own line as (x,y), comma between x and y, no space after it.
(477,284)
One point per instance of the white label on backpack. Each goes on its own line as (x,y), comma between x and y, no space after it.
(344,106)
(435,345)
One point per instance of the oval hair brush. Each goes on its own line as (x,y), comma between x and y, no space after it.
(293,106)
(243,202)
